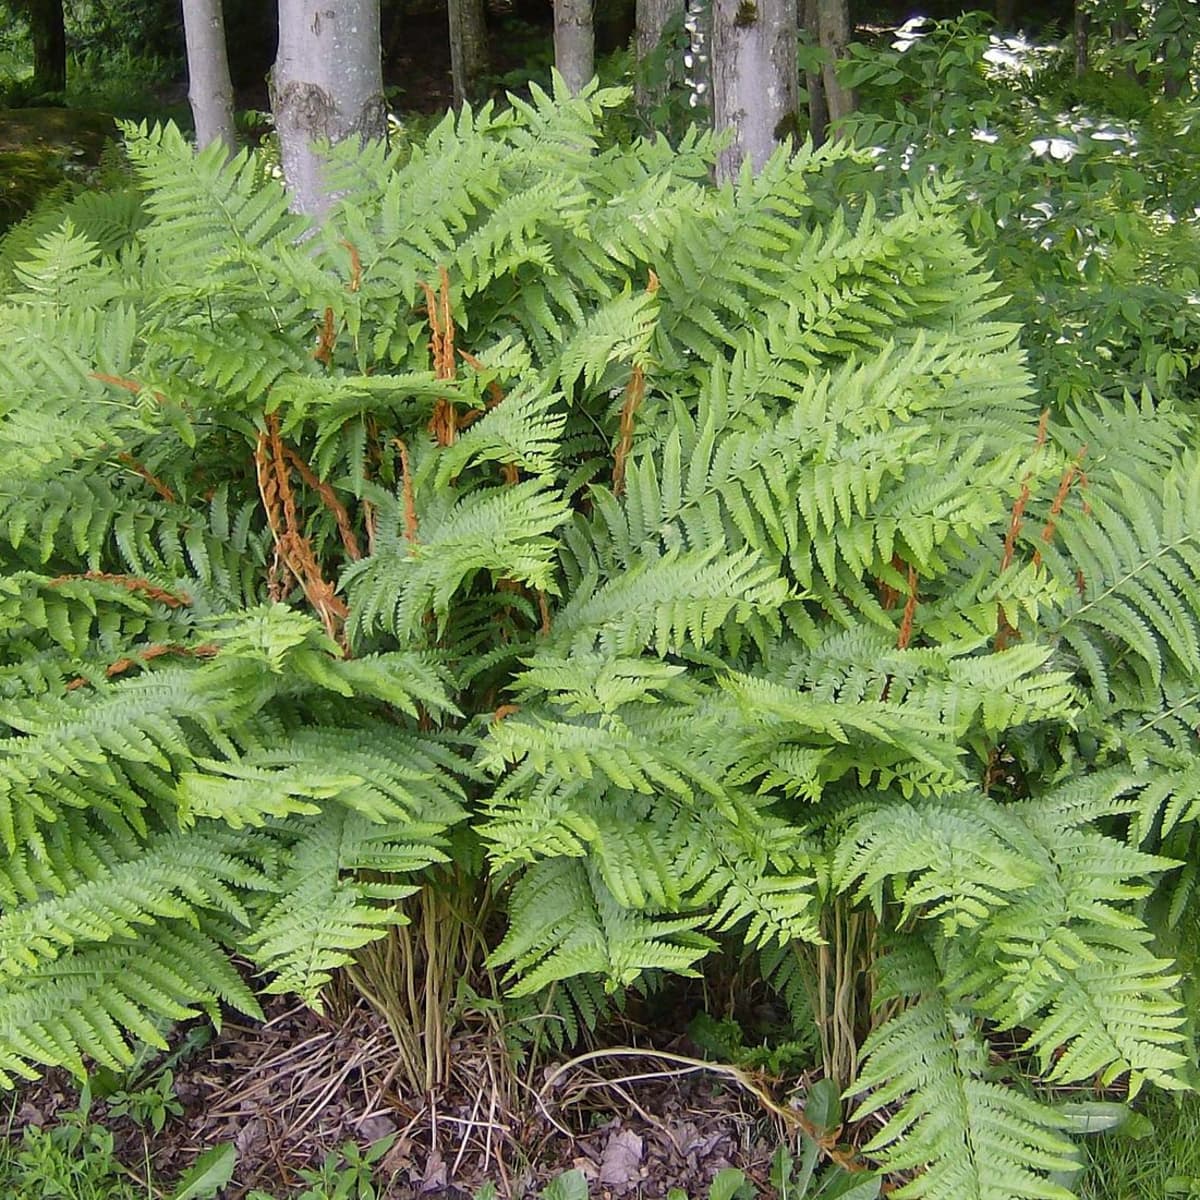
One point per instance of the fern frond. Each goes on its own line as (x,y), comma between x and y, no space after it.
(81,1004)
(967,1135)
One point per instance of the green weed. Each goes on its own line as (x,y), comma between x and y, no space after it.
(1165,1164)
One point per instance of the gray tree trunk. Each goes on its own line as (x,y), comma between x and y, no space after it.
(210,92)
(754,78)
(326,86)
(834,18)
(653,17)
(468,47)
(814,81)
(574,42)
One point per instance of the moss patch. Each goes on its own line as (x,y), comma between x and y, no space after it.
(41,148)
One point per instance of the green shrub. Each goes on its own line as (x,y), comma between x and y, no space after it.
(657,563)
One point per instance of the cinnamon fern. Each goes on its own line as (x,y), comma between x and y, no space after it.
(705,560)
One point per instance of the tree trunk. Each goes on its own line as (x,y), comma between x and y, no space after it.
(48,31)
(814,81)
(754,78)
(1080,31)
(326,86)
(210,92)
(655,77)
(574,43)
(834,18)
(468,47)
(1006,14)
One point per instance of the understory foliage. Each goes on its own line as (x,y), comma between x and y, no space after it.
(692,563)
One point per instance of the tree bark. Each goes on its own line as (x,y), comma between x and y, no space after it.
(754,78)
(814,81)
(468,47)
(326,86)
(48,32)
(1080,32)
(653,17)
(210,92)
(834,18)
(574,43)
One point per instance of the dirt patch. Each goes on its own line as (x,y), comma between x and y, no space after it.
(74,131)
(299,1086)
(41,148)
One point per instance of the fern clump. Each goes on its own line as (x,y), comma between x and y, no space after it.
(691,565)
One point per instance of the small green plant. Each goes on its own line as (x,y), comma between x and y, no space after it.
(345,1174)
(72,1159)
(150,1105)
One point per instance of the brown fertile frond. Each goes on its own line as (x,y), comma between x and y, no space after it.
(495,391)
(410,507)
(444,422)
(635,390)
(355,266)
(128,385)
(1073,472)
(153,480)
(326,340)
(888,595)
(910,608)
(132,584)
(330,500)
(292,549)
(121,665)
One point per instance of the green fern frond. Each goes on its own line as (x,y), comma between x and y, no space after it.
(967,1135)
(81,1003)
(565,923)
(338,892)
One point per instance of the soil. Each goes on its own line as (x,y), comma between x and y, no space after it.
(299,1086)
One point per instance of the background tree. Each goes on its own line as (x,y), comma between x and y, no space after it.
(468,46)
(574,42)
(655,73)
(754,79)
(833,18)
(814,79)
(210,91)
(48,32)
(326,85)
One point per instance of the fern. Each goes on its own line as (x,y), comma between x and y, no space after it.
(969,1134)
(697,553)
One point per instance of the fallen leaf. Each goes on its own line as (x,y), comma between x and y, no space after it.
(622,1157)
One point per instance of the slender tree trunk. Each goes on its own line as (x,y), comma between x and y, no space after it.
(834,19)
(574,43)
(468,47)
(326,86)
(48,31)
(653,17)
(814,81)
(210,92)
(1080,33)
(754,78)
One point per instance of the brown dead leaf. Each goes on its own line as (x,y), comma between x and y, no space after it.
(621,1160)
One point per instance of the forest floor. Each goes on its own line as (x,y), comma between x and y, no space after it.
(298,1087)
